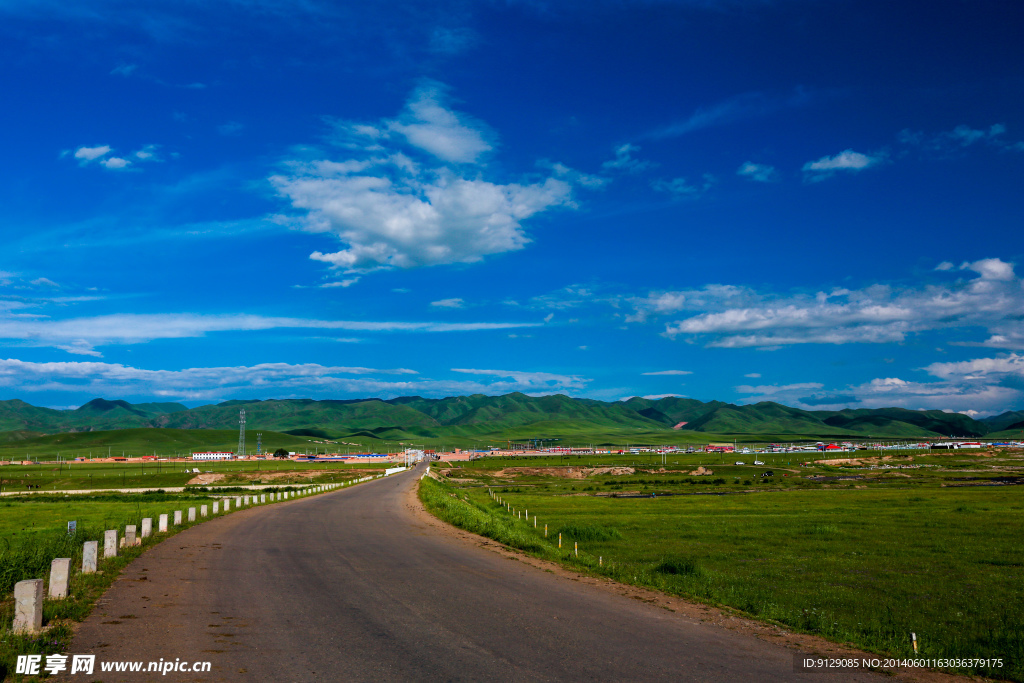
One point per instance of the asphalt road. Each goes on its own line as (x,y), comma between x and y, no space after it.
(353,586)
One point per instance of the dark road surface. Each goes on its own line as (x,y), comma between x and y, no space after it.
(352,585)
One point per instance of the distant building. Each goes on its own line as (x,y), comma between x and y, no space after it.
(213,456)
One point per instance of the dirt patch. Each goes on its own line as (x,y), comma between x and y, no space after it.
(269,477)
(682,609)
(563,472)
(702,472)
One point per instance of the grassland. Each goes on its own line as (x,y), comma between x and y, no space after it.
(138,474)
(855,555)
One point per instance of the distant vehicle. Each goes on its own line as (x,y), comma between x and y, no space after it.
(758,462)
(740,462)
(769,473)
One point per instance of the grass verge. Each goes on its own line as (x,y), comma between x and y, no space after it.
(860,567)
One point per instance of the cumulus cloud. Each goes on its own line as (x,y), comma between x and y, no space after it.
(847,160)
(86,154)
(114,163)
(978,387)
(762,173)
(306,379)
(101,155)
(741,317)
(82,335)
(394,206)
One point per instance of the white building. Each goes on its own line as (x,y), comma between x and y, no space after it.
(213,456)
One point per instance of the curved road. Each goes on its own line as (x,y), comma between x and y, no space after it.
(352,585)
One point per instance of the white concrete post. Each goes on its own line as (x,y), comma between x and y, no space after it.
(147,527)
(216,507)
(191,514)
(28,606)
(129,535)
(89,552)
(238,502)
(60,569)
(177,517)
(110,543)
(203,510)
(263,498)
(227,505)
(246,500)
(162,524)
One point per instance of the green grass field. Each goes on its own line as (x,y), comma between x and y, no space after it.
(105,475)
(866,561)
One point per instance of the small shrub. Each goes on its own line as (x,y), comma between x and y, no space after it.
(678,566)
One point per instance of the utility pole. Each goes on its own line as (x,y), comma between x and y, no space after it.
(241,432)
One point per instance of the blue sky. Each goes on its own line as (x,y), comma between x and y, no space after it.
(812,202)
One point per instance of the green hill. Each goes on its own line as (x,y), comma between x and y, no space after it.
(1005,421)
(498,418)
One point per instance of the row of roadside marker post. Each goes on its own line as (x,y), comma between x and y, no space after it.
(520,513)
(28,594)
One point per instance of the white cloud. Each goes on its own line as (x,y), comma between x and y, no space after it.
(945,265)
(147,153)
(975,387)
(980,368)
(532,381)
(115,163)
(448,303)
(87,154)
(392,210)
(753,375)
(82,335)
(847,160)
(101,155)
(991,269)
(655,397)
(571,175)
(339,283)
(667,372)
(740,318)
(428,124)
(624,160)
(101,378)
(44,282)
(762,173)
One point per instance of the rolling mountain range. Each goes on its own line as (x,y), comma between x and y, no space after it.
(515,416)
